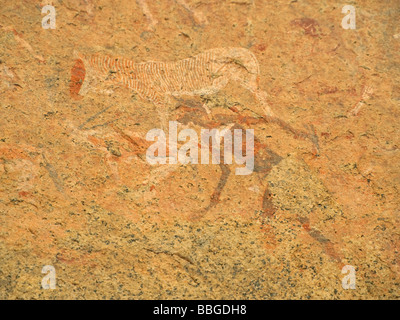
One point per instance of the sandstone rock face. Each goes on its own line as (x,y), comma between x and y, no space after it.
(76,190)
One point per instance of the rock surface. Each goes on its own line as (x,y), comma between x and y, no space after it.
(77,193)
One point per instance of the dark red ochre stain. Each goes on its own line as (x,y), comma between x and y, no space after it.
(268,207)
(319,236)
(78,73)
(309,26)
(261,47)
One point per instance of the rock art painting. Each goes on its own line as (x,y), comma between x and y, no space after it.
(203,74)
(187,149)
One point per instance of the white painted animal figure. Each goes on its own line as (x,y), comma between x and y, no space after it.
(203,74)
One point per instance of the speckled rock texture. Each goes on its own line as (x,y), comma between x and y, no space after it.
(77,193)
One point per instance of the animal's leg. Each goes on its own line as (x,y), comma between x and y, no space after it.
(208,111)
(217,85)
(268,208)
(260,95)
(162,106)
(215,197)
(198,15)
(151,20)
(163,115)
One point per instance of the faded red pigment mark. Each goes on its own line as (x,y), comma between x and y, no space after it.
(24,194)
(78,73)
(327,90)
(320,237)
(268,208)
(261,47)
(309,26)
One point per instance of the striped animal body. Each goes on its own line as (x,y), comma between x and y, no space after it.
(203,74)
